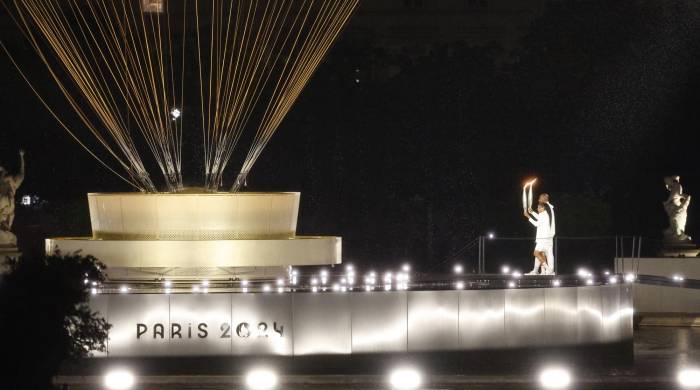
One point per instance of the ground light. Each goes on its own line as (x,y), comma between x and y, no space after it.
(689,378)
(261,379)
(119,380)
(405,379)
(555,378)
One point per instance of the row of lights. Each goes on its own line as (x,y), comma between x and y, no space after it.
(402,378)
(399,280)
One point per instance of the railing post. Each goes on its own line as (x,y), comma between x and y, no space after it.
(555,253)
(481,254)
(639,247)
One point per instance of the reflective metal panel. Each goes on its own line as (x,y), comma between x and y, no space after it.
(262,324)
(379,321)
(524,317)
(139,324)
(627,310)
(195,324)
(612,315)
(321,323)
(433,320)
(375,322)
(561,315)
(590,315)
(481,319)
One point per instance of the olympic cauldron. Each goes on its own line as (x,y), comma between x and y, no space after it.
(196,233)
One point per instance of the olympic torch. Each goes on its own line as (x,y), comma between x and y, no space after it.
(527,195)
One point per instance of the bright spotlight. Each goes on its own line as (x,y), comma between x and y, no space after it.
(205,283)
(406,267)
(175,113)
(629,278)
(556,283)
(517,274)
(582,272)
(167,283)
(261,379)
(555,378)
(123,289)
(678,278)
(405,379)
(119,380)
(613,280)
(459,285)
(491,235)
(511,284)
(505,269)
(458,269)
(589,281)
(689,378)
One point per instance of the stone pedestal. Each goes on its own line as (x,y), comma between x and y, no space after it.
(679,249)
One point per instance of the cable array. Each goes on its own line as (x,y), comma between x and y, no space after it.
(120,66)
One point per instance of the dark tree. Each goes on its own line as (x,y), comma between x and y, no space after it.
(45,319)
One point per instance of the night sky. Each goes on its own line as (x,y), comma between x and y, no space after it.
(411,145)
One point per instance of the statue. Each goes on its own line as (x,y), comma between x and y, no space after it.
(676,207)
(8,188)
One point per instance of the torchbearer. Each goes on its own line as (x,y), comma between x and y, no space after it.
(546,229)
(544,199)
(542,220)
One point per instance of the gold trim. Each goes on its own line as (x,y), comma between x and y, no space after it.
(210,235)
(86,238)
(230,194)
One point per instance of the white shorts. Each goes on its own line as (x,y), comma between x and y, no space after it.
(544,244)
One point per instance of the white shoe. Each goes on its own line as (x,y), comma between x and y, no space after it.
(533,272)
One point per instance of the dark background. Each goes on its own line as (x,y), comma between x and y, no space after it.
(418,129)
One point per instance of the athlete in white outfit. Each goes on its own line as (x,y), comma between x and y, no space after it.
(551,264)
(544,241)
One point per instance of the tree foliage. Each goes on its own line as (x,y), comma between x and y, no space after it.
(45,318)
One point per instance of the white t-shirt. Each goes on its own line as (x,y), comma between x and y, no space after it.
(542,224)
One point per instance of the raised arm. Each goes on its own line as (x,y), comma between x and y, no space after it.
(19,178)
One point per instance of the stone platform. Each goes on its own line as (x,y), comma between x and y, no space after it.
(652,299)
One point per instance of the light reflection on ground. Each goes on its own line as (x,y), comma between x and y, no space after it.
(658,353)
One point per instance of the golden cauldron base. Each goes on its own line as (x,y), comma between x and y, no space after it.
(198,235)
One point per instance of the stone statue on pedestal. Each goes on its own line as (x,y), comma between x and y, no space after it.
(8,188)
(676,207)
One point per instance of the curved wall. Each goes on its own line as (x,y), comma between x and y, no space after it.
(296,324)
(215,216)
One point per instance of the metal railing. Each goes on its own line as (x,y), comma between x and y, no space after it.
(488,254)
